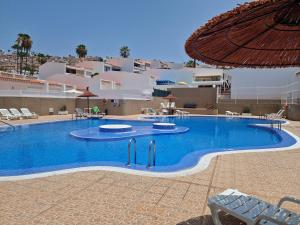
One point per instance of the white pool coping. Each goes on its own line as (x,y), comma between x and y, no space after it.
(202,164)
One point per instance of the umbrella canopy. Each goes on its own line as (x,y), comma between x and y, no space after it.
(87,94)
(262,33)
(170,97)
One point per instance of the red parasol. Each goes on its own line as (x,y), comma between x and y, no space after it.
(87,94)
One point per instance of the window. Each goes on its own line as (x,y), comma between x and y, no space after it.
(207,78)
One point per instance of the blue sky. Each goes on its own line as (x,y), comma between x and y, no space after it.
(153,29)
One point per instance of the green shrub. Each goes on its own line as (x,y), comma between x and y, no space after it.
(246,110)
(63,108)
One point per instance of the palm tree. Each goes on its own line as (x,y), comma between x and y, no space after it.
(27,45)
(41,58)
(22,46)
(191,63)
(17,48)
(81,51)
(124,51)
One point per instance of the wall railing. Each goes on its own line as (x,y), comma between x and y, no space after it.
(287,94)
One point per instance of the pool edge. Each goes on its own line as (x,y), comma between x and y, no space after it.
(201,165)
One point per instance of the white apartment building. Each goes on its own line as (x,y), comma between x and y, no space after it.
(113,79)
(188,77)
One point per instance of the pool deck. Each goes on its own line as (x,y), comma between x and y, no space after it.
(101,197)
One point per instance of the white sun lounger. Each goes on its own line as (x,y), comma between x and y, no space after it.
(277,115)
(162,105)
(15,112)
(79,113)
(5,114)
(28,114)
(163,108)
(172,105)
(181,112)
(252,210)
(229,113)
(150,111)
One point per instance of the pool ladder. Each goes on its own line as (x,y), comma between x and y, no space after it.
(274,123)
(151,152)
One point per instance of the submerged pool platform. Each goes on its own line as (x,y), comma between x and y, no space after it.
(96,134)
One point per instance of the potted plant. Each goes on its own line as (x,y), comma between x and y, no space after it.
(246,111)
(63,110)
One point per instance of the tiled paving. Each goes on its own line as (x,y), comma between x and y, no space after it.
(101,197)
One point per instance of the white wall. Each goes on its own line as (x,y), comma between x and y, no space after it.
(128,80)
(79,82)
(133,86)
(50,68)
(94,66)
(126,64)
(260,83)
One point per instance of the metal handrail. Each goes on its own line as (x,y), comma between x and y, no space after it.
(132,140)
(152,148)
(8,124)
(276,122)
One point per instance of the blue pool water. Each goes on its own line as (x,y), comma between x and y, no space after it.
(49,146)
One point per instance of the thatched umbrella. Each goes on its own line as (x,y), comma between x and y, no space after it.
(171,98)
(261,33)
(87,94)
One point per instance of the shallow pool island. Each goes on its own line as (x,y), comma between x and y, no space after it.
(177,145)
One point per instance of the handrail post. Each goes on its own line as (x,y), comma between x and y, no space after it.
(134,150)
(132,140)
(151,150)
(154,153)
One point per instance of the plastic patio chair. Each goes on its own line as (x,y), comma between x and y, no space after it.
(95,110)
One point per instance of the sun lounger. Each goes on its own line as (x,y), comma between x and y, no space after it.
(16,112)
(28,114)
(172,105)
(162,105)
(5,114)
(79,113)
(229,113)
(277,115)
(252,210)
(181,112)
(150,111)
(163,108)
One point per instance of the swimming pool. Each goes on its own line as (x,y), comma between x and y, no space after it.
(45,147)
